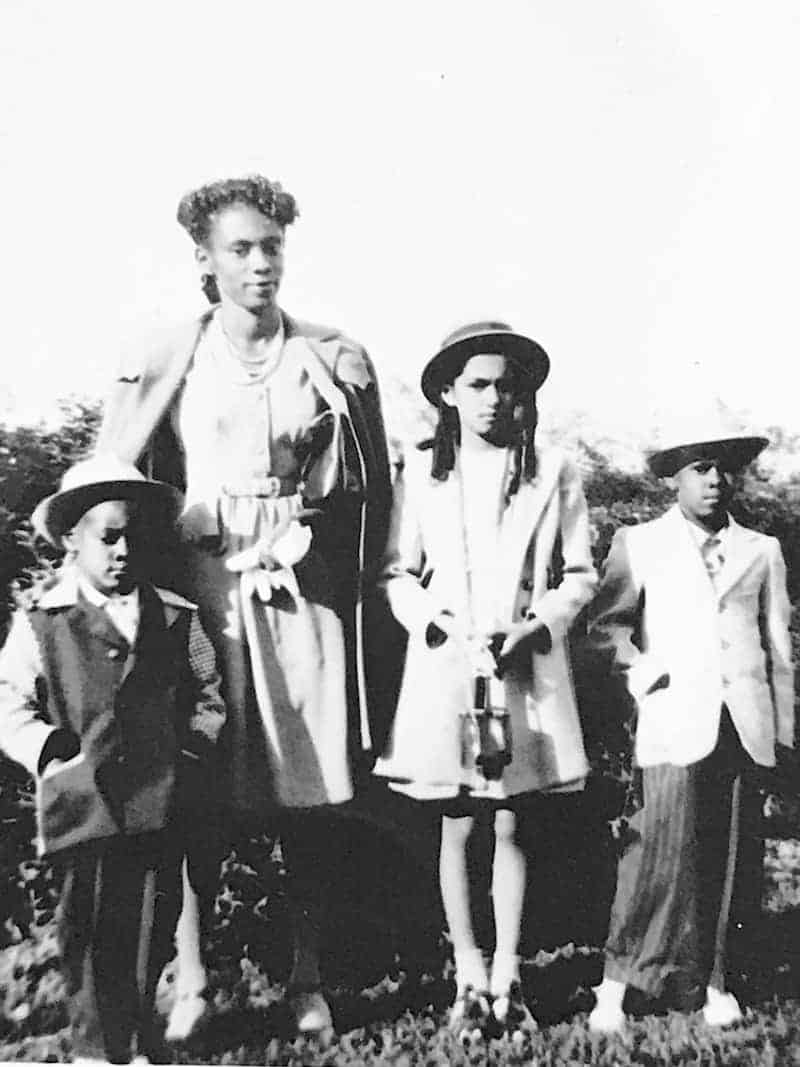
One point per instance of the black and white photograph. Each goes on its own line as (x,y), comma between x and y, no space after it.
(399,533)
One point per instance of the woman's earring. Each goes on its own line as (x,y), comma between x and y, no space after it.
(208,283)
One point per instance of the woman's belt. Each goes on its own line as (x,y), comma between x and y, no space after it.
(269,487)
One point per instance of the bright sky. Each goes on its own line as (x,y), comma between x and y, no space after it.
(618,179)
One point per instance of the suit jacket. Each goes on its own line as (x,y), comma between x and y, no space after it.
(66,666)
(138,426)
(725,642)
(546,568)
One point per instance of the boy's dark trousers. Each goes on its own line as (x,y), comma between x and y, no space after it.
(117,914)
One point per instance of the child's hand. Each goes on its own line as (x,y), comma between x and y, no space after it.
(442,627)
(521,639)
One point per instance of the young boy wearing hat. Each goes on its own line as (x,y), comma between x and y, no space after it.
(109,696)
(693,611)
(488,564)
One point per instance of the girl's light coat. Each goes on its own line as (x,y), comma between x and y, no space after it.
(545,568)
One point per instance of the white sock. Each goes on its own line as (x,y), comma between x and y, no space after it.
(505,970)
(470,970)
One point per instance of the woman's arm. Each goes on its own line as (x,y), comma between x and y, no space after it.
(143,391)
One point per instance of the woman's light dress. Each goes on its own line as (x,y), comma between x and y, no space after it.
(242,428)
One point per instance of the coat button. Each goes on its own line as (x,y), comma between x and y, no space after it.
(725,644)
(113,653)
(527,585)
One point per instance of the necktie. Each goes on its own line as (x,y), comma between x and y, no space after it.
(713,556)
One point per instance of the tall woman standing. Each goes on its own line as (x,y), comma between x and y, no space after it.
(273,429)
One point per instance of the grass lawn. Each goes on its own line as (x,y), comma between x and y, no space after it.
(396,1018)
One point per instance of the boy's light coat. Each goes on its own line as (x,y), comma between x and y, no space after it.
(721,643)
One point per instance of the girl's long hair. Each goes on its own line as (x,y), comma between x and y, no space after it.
(447,437)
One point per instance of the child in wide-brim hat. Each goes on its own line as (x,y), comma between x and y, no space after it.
(693,612)
(486,722)
(108,696)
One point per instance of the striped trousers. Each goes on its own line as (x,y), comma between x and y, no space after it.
(692,862)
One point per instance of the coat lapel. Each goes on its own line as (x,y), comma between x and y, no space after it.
(519,523)
(741,549)
(682,560)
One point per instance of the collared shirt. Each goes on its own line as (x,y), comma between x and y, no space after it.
(123,611)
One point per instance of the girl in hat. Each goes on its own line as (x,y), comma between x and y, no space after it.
(489,563)
(109,696)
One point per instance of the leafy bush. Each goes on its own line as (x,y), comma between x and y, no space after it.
(32,460)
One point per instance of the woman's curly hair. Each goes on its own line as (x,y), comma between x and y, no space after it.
(197,207)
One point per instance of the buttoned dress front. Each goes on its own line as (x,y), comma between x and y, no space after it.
(281,648)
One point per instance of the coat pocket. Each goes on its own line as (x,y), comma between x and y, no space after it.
(70,809)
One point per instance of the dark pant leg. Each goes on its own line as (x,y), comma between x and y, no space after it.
(98,945)
(118,913)
(309,846)
(652,931)
(727,849)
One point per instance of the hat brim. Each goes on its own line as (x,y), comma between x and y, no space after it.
(56,515)
(732,452)
(529,356)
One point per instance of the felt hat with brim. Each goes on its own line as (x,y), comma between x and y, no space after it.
(93,481)
(732,453)
(483,338)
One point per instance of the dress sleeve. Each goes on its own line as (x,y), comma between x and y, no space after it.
(403,570)
(559,607)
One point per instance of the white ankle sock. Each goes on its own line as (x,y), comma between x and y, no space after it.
(505,970)
(470,970)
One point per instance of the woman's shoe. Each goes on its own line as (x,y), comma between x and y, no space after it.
(310,1010)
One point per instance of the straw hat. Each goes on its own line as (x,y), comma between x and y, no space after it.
(92,481)
(483,338)
(705,435)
